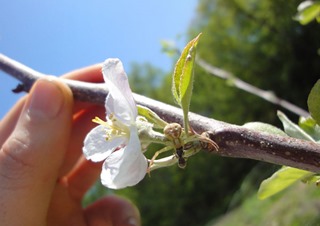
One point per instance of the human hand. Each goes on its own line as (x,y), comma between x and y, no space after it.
(43,175)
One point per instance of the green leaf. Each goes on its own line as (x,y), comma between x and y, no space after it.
(308,11)
(182,82)
(312,179)
(151,117)
(314,102)
(280,180)
(182,68)
(310,126)
(292,129)
(177,77)
(264,128)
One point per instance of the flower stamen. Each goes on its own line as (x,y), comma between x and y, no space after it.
(99,121)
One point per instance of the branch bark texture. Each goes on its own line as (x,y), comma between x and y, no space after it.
(234,141)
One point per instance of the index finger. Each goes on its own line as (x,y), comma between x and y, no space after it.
(90,74)
(87,74)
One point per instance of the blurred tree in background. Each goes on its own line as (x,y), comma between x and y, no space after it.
(259,42)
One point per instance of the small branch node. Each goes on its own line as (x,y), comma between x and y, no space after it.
(19,88)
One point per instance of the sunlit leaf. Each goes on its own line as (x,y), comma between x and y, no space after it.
(177,76)
(264,128)
(186,83)
(312,179)
(182,82)
(292,129)
(151,116)
(180,68)
(308,11)
(186,79)
(314,102)
(280,180)
(310,126)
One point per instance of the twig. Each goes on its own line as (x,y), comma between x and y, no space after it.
(234,141)
(267,95)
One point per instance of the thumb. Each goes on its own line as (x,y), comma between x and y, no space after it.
(30,158)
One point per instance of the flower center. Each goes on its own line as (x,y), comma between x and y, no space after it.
(114,128)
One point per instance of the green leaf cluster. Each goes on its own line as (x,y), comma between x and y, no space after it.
(308,129)
(260,43)
(308,11)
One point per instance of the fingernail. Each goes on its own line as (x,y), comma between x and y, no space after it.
(131,221)
(46,99)
(132,217)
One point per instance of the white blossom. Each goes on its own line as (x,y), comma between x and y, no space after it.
(116,140)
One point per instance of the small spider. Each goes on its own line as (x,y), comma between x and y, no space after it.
(184,146)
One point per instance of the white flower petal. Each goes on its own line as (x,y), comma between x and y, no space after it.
(125,167)
(96,147)
(120,101)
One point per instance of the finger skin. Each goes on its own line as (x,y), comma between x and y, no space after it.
(33,153)
(8,123)
(88,74)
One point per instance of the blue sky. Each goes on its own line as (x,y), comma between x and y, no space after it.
(55,37)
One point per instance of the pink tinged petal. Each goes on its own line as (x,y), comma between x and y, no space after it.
(125,167)
(120,101)
(96,148)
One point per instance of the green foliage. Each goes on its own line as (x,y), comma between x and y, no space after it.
(146,79)
(314,102)
(310,126)
(280,180)
(260,43)
(308,11)
(286,176)
(182,80)
(297,206)
(293,129)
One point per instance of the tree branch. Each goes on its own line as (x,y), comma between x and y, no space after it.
(234,141)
